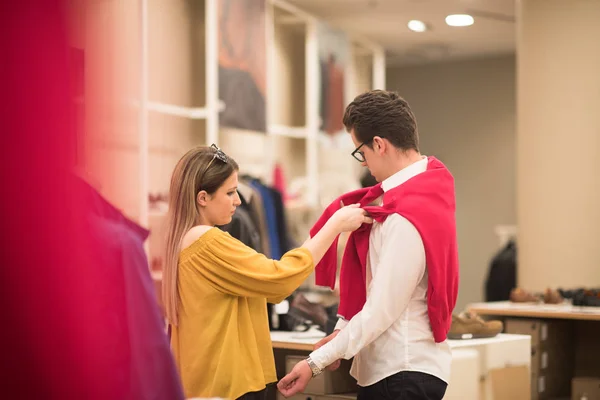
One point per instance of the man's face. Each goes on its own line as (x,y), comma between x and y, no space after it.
(372,159)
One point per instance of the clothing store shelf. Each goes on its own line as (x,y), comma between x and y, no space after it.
(295,11)
(179,111)
(288,131)
(186,112)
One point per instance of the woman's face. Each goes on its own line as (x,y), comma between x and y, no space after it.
(219,207)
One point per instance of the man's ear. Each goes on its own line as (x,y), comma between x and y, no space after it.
(379,145)
(202,198)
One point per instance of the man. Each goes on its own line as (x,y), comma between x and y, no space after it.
(399,280)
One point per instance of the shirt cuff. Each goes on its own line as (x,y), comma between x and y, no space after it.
(321,358)
(328,354)
(341,324)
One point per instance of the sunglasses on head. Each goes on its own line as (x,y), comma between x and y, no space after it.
(219,155)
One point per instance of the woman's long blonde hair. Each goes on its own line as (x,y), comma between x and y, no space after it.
(202,168)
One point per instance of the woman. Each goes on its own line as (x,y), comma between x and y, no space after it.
(215,288)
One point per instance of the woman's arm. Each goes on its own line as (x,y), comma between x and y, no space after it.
(234,268)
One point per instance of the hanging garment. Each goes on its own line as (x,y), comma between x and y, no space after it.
(502,274)
(68,275)
(279,181)
(130,331)
(257,212)
(270,218)
(281,221)
(139,360)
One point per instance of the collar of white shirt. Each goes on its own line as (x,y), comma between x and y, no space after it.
(404,174)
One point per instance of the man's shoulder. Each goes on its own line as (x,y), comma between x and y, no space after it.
(398,231)
(396,224)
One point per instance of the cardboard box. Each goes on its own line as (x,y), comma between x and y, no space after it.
(511,383)
(329,382)
(585,388)
(499,358)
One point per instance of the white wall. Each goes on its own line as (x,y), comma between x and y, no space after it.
(466,117)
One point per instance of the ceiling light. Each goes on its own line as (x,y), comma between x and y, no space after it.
(459,20)
(417,26)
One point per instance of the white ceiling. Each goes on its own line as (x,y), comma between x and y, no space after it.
(384,22)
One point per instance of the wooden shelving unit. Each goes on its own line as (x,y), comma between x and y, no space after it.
(174,99)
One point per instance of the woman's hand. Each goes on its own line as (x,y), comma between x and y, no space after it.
(350,218)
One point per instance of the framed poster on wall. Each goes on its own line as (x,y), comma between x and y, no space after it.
(334,49)
(242,64)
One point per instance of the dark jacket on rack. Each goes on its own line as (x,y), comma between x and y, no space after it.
(271,219)
(502,275)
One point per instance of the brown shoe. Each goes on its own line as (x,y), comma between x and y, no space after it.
(301,307)
(470,326)
(518,295)
(552,297)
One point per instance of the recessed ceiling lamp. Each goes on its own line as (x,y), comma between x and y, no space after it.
(417,26)
(459,20)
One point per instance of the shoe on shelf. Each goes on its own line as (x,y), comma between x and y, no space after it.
(552,296)
(518,295)
(301,308)
(469,325)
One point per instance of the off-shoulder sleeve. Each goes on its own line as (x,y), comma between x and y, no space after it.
(232,267)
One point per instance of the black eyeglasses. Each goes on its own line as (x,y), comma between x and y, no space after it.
(359,155)
(219,155)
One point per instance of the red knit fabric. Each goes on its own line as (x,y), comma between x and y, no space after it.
(279,182)
(427,200)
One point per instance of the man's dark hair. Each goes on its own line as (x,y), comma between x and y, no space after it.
(385,114)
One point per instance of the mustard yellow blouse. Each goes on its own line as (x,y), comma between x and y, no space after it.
(222,344)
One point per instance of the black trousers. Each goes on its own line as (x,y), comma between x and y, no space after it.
(261,395)
(405,385)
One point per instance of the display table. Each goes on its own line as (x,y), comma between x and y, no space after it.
(302,341)
(498,359)
(535,310)
(565,341)
(305,341)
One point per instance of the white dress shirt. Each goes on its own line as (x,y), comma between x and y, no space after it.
(392,332)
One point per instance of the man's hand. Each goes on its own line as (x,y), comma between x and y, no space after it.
(336,364)
(296,381)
